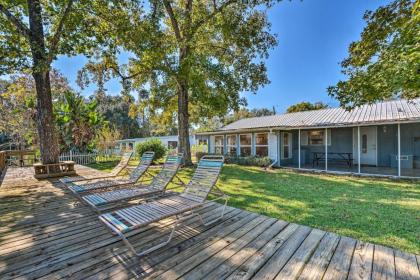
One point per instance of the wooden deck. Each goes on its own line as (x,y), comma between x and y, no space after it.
(45,233)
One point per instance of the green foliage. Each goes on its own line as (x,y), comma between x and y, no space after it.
(152,145)
(251,160)
(193,57)
(18,105)
(306,106)
(106,137)
(385,62)
(116,111)
(77,121)
(15,43)
(243,113)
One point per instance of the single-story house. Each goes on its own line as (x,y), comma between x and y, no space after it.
(170,142)
(378,139)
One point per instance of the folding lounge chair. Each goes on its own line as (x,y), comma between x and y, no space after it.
(139,171)
(181,206)
(107,200)
(114,173)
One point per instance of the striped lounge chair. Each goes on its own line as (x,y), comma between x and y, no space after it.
(106,200)
(114,173)
(181,206)
(139,171)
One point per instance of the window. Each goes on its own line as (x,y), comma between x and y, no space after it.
(245,144)
(172,145)
(130,146)
(202,142)
(231,144)
(364,143)
(286,151)
(316,137)
(218,144)
(261,144)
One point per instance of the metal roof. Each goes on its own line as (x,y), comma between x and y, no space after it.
(382,112)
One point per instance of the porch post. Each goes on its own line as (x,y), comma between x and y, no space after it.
(399,150)
(358,149)
(299,149)
(326,149)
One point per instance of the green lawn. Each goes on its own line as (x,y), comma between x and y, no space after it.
(375,210)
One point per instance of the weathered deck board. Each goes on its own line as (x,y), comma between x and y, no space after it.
(45,233)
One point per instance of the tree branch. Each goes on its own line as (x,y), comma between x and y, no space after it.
(174,22)
(20,26)
(57,35)
(215,12)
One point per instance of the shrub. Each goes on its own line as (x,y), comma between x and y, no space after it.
(152,145)
(251,160)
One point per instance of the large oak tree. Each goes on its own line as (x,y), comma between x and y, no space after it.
(385,62)
(33,33)
(194,57)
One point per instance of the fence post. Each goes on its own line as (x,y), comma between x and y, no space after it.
(71,155)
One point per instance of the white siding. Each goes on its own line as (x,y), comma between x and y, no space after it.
(272,146)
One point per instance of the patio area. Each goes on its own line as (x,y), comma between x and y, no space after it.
(46,233)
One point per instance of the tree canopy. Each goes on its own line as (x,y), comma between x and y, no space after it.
(385,62)
(193,57)
(306,106)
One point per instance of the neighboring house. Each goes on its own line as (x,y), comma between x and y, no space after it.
(170,142)
(378,139)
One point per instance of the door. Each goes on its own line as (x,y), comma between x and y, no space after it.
(368,145)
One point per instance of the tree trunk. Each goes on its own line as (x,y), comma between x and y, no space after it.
(183,123)
(45,122)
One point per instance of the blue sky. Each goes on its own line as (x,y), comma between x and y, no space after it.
(313,38)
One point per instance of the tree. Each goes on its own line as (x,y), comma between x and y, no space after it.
(306,106)
(33,47)
(385,62)
(18,105)
(77,121)
(194,56)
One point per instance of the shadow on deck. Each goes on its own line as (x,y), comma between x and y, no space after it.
(45,232)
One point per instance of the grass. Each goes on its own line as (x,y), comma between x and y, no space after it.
(375,210)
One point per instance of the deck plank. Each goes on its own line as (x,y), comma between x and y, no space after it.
(295,265)
(248,269)
(283,254)
(340,262)
(46,233)
(406,266)
(316,266)
(230,264)
(361,265)
(383,263)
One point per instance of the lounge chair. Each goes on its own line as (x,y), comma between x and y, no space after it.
(107,200)
(139,171)
(116,171)
(181,206)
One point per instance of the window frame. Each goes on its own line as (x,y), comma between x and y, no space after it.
(219,146)
(261,145)
(289,144)
(245,146)
(229,146)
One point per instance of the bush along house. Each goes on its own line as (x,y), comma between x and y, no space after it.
(380,139)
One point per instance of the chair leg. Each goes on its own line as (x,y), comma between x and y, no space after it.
(154,248)
(218,218)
